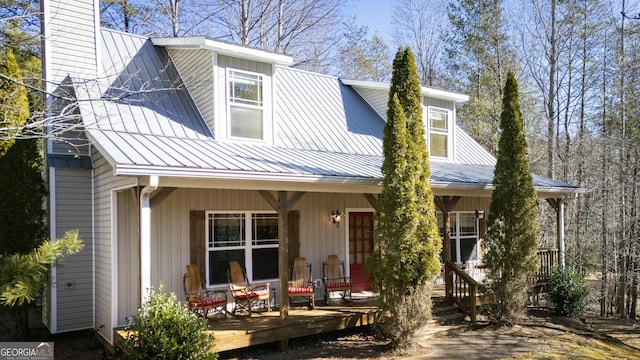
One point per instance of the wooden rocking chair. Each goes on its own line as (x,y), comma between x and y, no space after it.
(246,296)
(200,301)
(302,284)
(334,279)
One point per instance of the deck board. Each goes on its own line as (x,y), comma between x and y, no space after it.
(238,332)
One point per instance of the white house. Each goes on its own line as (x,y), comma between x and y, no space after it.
(192,150)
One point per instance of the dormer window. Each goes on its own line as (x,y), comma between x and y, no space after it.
(439,132)
(245,105)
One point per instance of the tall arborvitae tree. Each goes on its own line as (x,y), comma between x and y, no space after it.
(14,101)
(512,230)
(408,244)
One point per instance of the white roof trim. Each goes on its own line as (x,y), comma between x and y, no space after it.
(426,91)
(224,48)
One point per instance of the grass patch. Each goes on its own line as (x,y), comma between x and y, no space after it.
(571,346)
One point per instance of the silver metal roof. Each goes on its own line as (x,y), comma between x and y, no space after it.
(325,131)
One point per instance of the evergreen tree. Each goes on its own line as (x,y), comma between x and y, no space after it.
(23,275)
(405,261)
(14,101)
(512,229)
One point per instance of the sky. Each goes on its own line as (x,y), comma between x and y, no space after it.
(376,15)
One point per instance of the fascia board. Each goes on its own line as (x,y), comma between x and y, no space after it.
(224,48)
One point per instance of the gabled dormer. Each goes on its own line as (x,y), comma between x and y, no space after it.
(232,85)
(438,111)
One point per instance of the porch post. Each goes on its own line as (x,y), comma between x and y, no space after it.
(560,230)
(283,254)
(446,204)
(282,205)
(145,238)
(559,205)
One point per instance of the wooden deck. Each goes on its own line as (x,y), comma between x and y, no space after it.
(238,332)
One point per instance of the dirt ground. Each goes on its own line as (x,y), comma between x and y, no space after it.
(540,335)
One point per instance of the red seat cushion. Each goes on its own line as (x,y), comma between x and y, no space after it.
(304,290)
(338,285)
(207,302)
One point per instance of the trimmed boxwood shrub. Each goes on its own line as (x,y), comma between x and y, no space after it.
(165,329)
(568,290)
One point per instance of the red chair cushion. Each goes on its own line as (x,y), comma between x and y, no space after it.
(338,285)
(207,302)
(305,290)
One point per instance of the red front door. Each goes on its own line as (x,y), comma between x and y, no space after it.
(360,247)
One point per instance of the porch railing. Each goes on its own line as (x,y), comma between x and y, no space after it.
(464,289)
(548,259)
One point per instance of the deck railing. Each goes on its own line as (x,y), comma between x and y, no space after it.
(464,289)
(548,259)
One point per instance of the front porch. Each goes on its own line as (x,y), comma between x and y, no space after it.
(237,332)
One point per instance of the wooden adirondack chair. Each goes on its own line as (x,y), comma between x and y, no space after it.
(334,279)
(201,301)
(302,284)
(247,296)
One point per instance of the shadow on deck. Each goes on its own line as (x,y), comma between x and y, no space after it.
(237,332)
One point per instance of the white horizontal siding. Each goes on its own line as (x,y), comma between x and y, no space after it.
(74,276)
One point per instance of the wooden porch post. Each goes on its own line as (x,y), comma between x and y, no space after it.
(446,204)
(282,205)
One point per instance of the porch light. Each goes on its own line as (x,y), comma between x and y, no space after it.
(336,217)
(479,214)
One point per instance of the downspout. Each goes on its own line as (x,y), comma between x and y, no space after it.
(145,237)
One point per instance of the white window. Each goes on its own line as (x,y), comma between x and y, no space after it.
(246,107)
(464,235)
(439,132)
(250,238)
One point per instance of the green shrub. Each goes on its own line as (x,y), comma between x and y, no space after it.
(569,291)
(165,329)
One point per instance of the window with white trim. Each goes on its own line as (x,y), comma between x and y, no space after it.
(250,238)
(246,107)
(464,235)
(439,132)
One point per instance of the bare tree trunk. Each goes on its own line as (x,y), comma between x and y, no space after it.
(553,60)
(244,22)
(279,48)
(604,285)
(622,266)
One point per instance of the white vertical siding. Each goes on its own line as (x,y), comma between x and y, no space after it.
(196,70)
(74,278)
(128,255)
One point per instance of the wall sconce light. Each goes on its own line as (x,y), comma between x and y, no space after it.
(479,214)
(336,217)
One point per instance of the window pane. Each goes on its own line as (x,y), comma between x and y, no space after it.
(468,249)
(219,264)
(452,224)
(454,251)
(265,229)
(226,230)
(246,122)
(245,88)
(265,263)
(438,119)
(468,225)
(438,145)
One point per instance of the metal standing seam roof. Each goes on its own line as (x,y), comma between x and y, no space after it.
(325,130)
